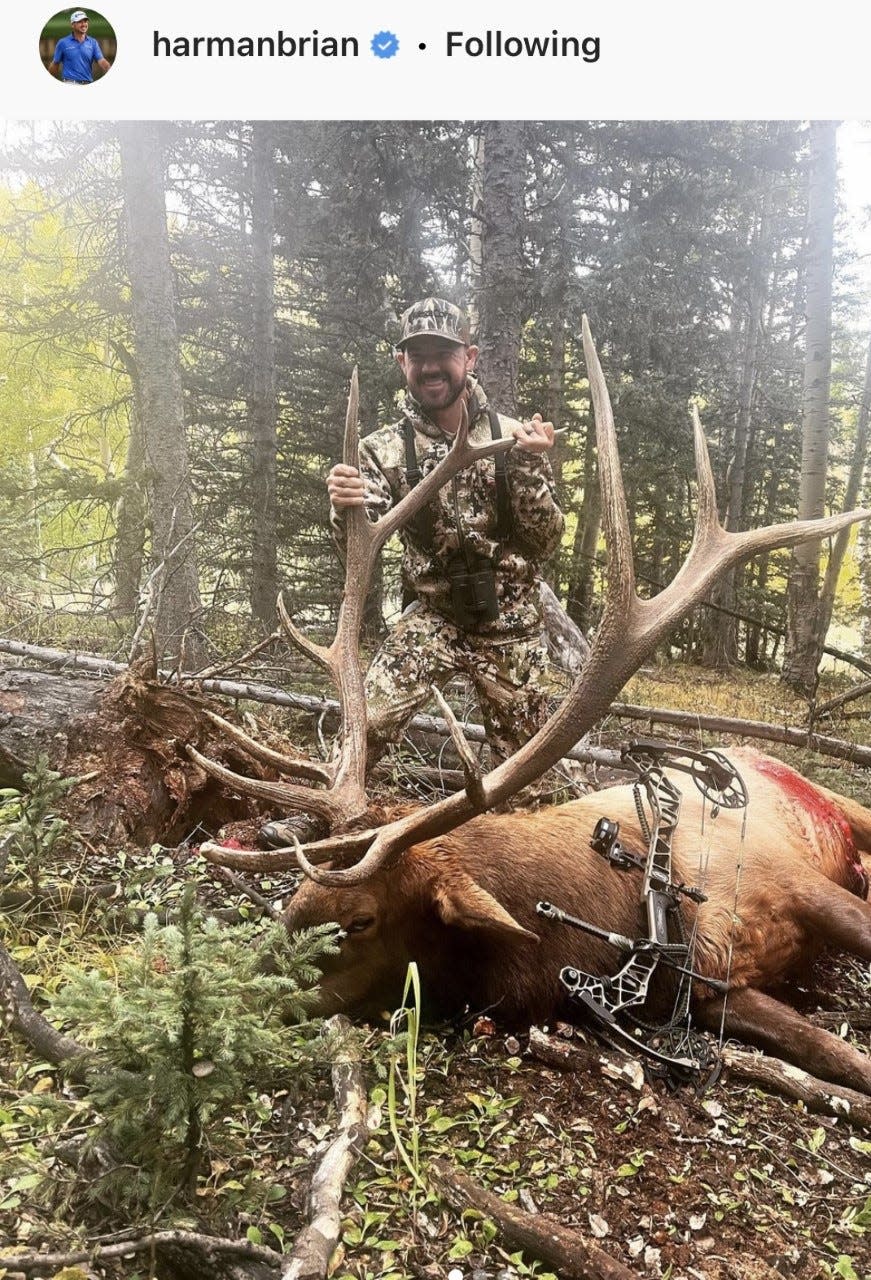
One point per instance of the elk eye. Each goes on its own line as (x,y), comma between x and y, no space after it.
(360,924)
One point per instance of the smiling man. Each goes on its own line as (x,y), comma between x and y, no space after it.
(75,54)
(471,558)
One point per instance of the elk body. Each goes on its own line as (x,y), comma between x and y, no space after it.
(462,906)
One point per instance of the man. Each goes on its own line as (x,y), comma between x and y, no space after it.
(75,54)
(472,557)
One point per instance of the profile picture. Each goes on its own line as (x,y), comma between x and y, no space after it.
(77,46)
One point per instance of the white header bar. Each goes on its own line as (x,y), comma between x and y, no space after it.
(259,60)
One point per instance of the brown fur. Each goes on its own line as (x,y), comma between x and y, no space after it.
(463,906)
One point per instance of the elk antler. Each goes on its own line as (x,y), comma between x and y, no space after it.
(629,631)
(343,798)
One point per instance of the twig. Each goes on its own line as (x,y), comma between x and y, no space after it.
(242,886)
(783,1077)
(566,1251)
(209,1246)
(316,1243)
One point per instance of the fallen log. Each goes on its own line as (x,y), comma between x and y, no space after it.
(310,1256)
(255,691)
(566,1251)
(782,1077)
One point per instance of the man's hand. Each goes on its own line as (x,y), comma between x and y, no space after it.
(346,487)
(535,436)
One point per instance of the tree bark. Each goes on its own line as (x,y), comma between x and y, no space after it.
(262,403)
(175,600)
(721,640)
(131,511)
(502,260)
(851,497)
(805,638)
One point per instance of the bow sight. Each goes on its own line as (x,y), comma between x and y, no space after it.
(615,1004)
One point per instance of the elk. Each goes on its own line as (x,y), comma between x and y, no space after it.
(455,887)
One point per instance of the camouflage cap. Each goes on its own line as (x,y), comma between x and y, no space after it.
(434,317)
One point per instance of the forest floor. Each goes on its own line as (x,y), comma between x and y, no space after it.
(729,1184)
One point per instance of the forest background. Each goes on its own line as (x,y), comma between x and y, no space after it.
(181,306)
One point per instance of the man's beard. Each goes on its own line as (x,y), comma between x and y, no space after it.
(440,394)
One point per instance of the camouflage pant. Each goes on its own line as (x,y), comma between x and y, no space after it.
(423,648)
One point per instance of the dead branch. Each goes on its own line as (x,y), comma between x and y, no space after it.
(570,1254)
(208,1247)
(782,1077)
(242,886)
(578,1055)
(17,1013)
(316,1243)
(857,691)
(746,729)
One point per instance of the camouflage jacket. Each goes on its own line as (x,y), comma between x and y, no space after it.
(537,520)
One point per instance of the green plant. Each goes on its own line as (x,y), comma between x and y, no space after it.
(187,1021)
(407,1043)
(35,829)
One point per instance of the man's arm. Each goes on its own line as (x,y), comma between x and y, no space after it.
(538,521)
(103,64)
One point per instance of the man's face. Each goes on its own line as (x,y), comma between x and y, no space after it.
(435,370)
(80,28)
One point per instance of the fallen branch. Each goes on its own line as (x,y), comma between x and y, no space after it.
(857,691)
(17,1013)
(577,1055)
(571,1255)
(783,1077)
(207,1246)
(316,1243)
(746,729)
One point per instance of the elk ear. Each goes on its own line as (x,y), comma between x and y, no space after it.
(461,901)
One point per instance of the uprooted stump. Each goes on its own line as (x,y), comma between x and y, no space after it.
(128,738)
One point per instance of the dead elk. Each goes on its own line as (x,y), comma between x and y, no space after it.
(463,907)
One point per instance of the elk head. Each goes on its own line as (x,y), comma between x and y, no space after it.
(629,631)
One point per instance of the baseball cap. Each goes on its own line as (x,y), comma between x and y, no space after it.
(437,318)
(77,15)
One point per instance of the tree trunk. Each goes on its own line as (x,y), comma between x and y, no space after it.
(174,606)
(502,265)
(262,403)
(130,517)
(721,630)
(851,496)
(476,235)
(805,637)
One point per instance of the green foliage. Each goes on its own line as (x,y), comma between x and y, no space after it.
(406,1045)
(34,830)
(182,1025)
